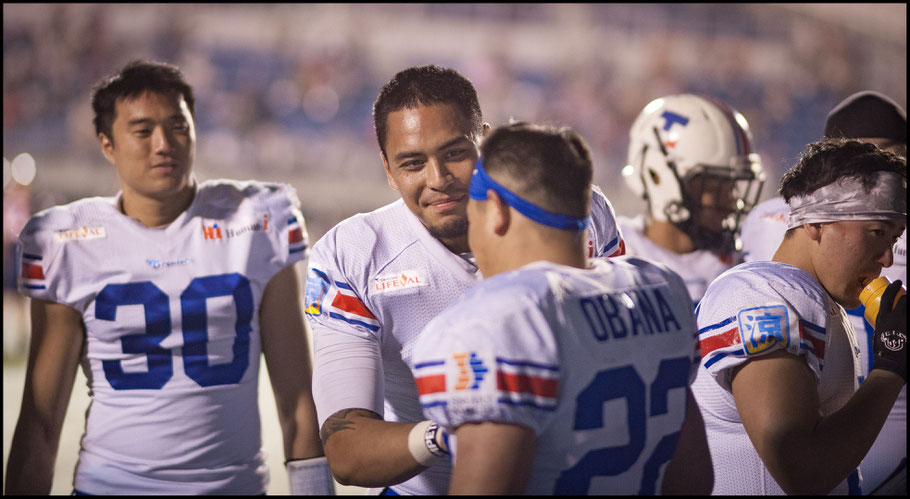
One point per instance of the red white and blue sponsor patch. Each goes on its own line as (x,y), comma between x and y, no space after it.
(338,300)
(756,330)
(31,274)
(467,377)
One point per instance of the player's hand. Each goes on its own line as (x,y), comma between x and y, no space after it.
(890,341)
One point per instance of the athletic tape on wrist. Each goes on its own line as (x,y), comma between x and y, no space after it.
(417,443)
(310,477)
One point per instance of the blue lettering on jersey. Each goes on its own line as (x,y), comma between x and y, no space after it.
(633,311)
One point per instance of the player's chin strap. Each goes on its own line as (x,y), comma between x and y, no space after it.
(427,441)
(310,477)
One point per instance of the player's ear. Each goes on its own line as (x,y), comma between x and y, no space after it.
(107,147)
(499,217)
(388,171)
(814,231)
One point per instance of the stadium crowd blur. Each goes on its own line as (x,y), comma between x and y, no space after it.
(284,92)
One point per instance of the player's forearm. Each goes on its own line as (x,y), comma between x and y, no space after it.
(827,455)
(368,452)
(30,468)
(299,430)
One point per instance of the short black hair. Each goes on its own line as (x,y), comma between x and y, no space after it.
(136,78)
(550,167)
(828,160)
(425,86)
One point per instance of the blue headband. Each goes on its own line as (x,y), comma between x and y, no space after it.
(481,182)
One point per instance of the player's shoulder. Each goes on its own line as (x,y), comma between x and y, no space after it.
(766,282)
(375,231)
(82,213)
(230,193)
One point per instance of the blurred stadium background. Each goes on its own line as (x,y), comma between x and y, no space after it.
(284,93)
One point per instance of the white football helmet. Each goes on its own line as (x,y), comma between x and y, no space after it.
(691,158)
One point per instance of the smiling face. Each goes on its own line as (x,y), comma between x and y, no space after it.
(153,145)
(851,254)
(429,159)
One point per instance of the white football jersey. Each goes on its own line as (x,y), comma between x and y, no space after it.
(763,230)
(595,361)
(697,268)
(751,310)
(172,332)
(380,277)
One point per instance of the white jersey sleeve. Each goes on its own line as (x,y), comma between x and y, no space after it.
(488,361)
(604,235)
(758,308)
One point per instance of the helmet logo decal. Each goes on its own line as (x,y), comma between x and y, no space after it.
(673,118)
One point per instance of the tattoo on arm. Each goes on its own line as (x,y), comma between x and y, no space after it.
(339,421)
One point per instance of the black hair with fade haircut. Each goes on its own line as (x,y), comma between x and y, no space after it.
(425,86)
(826,161)
(136,78)
(548,166)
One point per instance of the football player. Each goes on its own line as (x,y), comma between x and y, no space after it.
(556,374)
(780,365)
(375,280)
(692,160)
(166,294)
(869,117)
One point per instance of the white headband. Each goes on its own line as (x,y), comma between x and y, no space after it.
(846,199)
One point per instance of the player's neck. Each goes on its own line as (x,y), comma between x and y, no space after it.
(551,245)
(794,251)
(153,212)
(668,237)
(457,245)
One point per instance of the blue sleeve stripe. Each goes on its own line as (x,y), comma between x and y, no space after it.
(32,286)
(434,404)
(292,221)
(609,245)
(526,403)
(31,256)
(430,363)
(297,250)
(344,285)
(521,363)
(320,274)
(814,327)
(718,325)
(352,321)
(714,358)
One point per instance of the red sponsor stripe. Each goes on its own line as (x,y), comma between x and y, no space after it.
(30,271)
(295,235)
(722,340)
(622,249)
(522,383)
(351,305)
(817,344)
(431,384)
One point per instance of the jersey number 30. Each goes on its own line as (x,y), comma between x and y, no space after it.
(195,331)
(624,383)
